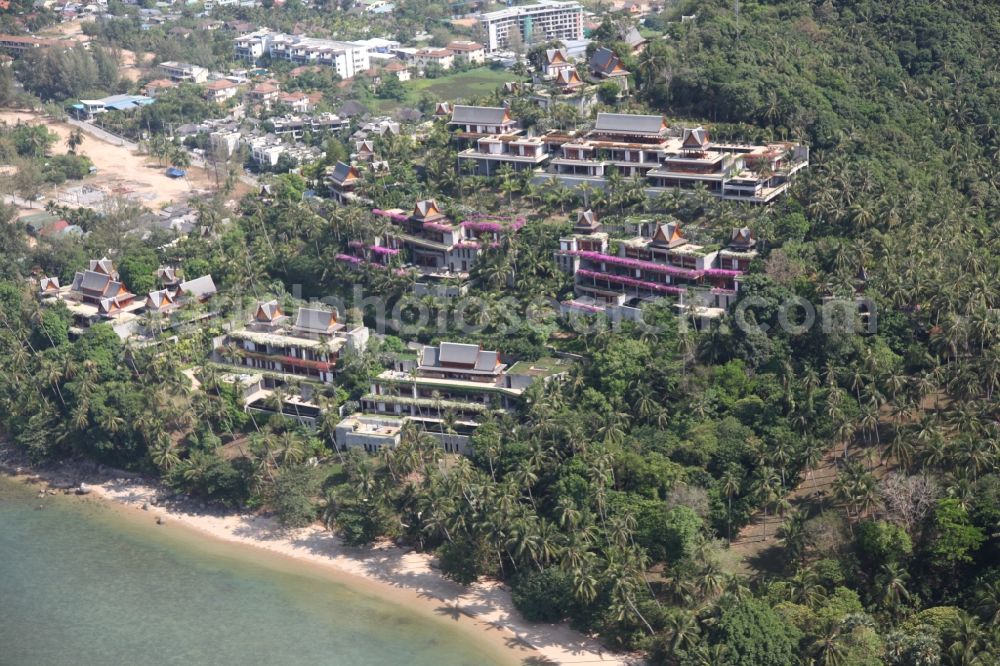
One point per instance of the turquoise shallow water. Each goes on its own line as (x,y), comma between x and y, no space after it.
(81,585)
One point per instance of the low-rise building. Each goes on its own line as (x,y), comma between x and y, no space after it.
(348,58)
(495,140)
(221,90)
(642,146)
(397,69)
(429,56)
(264,93)
(308,349)
(556,60)
(183,72)
(342,179)
(157,87)
(451,386)
(435,245)
(607,66)
(468,52)
(659,262)
(299,102)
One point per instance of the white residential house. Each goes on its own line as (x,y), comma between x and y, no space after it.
(183,72)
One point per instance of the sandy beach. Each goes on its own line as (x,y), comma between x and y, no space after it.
(401,575)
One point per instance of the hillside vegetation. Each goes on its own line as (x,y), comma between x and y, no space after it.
(609,501)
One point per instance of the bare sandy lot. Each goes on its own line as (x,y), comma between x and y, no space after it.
(119,170)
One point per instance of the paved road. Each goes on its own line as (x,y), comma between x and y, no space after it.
(114,139)
(103,135)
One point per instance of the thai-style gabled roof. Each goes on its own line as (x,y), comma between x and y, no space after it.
(695,139)
(742,238)
(200,288)
(479,115)
(109,306)
(102,265)
(669,234)
(633,38)
(94,283)
(587,221)
(427,209)
(605,63)
(443,109)
(365,147)
(344,173)
(627,123)
(458,354)
(48,284)
(269,312)
(556,57)
(314,320)
(167,275)
(568,77)
(157,300)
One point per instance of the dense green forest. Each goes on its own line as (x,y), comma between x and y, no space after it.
(610,501)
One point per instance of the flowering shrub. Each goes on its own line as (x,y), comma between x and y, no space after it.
(636,263)
(632,282)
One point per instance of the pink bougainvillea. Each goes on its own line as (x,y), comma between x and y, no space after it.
(632,282)
(636,263)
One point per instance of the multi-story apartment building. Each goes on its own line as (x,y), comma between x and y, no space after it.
(18,44)
(297,125)
(658,262)
(644,147)
(221,90)
(454,384)
(435,245)
(308,349)
(495,140)
(543,21)
(472,53)
(426,57)
(183,72)
(347,58)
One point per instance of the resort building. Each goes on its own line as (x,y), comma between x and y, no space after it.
(342,179)
(427,240)
(495,140)
(556,60)
(606,66)
(370,433)
(449,387)
(543,21)
(307,349)
(643,146)
(347,58)
(182,72)
(98,295)
(757,173)
(658,262)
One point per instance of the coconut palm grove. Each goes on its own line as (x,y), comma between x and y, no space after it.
(689,336)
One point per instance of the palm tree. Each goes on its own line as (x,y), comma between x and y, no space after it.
(729,484)
(766,486)
(892,587)
(683,631)
(74,140)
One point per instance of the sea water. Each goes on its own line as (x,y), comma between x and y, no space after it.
(82,583)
